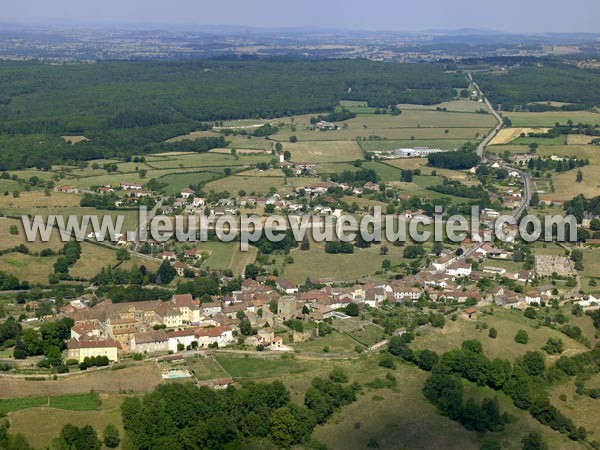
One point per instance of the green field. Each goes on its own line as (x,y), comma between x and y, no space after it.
(74,402)
(344,267)
(241,367)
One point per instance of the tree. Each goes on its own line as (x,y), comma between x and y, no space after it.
(166,273)
(534,441)
(72,437)
(283,427)
(305,245)
(252,271)
(111,436)
(579,177)
(554,346)
(426,359)
(522,337)
(123,254)
(493,333)
(490,444)
(472,345)
(352,309)
(534,363)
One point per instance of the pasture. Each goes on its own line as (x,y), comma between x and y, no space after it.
(49,421)
(506,322)
(139,378)
(315,263)
(227,255)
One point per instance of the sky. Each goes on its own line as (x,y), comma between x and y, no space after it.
(377,15)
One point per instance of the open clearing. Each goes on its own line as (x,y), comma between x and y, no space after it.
(507,135)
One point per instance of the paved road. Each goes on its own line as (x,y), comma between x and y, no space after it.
(525,177)
(497,128)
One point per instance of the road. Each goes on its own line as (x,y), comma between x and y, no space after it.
(525,177)
(483,144)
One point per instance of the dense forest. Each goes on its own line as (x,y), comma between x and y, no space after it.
(127,108)
(183,416)
(554,81)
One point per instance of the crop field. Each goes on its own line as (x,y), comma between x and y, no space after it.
(579,139)
(76,402)
(548,119)
(504,346)
(507,135)
(324,151)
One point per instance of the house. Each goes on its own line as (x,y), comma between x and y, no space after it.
(469,313)
(186,193)
(221,336)
(180,338)
(459,269)
(191,254)
(533,297)
(494,270)
(66,189)
(169,315)
(87,330)
(87,348)
(168,256)
(154,341)
(130,186)
(180,268)
(287,286)
(180,202)
(211,308)
(523,275)
(324,125)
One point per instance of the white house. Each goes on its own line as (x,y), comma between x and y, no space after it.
(459,269)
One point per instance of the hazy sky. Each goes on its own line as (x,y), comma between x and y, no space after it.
(397,15)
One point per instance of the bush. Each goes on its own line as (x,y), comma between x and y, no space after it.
(387,361)
(493,333)
(522,337)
